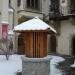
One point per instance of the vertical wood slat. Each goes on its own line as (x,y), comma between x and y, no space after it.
(41,47)
(28,46)
(31,45)
(36,44)
(45,44)
(25,42)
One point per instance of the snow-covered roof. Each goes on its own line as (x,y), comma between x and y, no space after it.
(33,24)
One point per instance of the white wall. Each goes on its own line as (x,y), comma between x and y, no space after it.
(64,40)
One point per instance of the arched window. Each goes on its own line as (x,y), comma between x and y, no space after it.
(9,2)
(33,4)
(18,3)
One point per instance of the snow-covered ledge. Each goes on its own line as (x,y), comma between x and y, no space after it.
(4,22)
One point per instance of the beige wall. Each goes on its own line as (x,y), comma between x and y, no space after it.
(5,7)
(10,19)
(65,38)
(45,6)
(0,5)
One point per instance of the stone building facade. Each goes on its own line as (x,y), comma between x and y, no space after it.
(58,13)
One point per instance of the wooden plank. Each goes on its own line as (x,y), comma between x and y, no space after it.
(45,44)
(39,45)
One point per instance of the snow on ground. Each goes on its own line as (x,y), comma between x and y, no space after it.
(11,66)
(73,65)
(14,64)
(54,63)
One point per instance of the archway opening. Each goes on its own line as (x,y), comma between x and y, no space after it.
(53,44)
(20,45)
(73,45)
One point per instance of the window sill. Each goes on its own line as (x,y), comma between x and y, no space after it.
(33,10)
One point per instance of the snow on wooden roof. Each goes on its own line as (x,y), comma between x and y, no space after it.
(33,24)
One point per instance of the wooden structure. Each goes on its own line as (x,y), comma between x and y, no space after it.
(35,44)
(35,39)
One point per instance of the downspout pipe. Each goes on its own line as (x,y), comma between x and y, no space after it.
(13,14)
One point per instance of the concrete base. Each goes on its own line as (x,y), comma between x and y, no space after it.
(35,66)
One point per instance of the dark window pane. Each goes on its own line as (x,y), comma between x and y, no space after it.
(28,3)
(9,1)
(33,4)
(18,2)
(36,4)
(55,6)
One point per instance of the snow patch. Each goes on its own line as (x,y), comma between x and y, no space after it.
(11,66)
(14,64)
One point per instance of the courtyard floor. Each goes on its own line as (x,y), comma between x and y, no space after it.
(14,65)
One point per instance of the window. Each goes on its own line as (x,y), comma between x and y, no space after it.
(33,4)
(63,1)
(72,6)
(9,2)
(18,3)
(54,8)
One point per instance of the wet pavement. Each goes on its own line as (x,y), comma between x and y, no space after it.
(65,66)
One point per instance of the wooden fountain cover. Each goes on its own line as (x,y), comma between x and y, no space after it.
(35,37)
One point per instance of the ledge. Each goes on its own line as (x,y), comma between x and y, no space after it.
(62,17)
(36,59)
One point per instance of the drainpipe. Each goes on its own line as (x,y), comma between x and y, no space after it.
(13,15)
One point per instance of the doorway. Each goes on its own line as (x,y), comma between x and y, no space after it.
(72,6)
(73,45)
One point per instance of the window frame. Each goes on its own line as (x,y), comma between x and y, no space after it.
(32,5)
(18,3)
